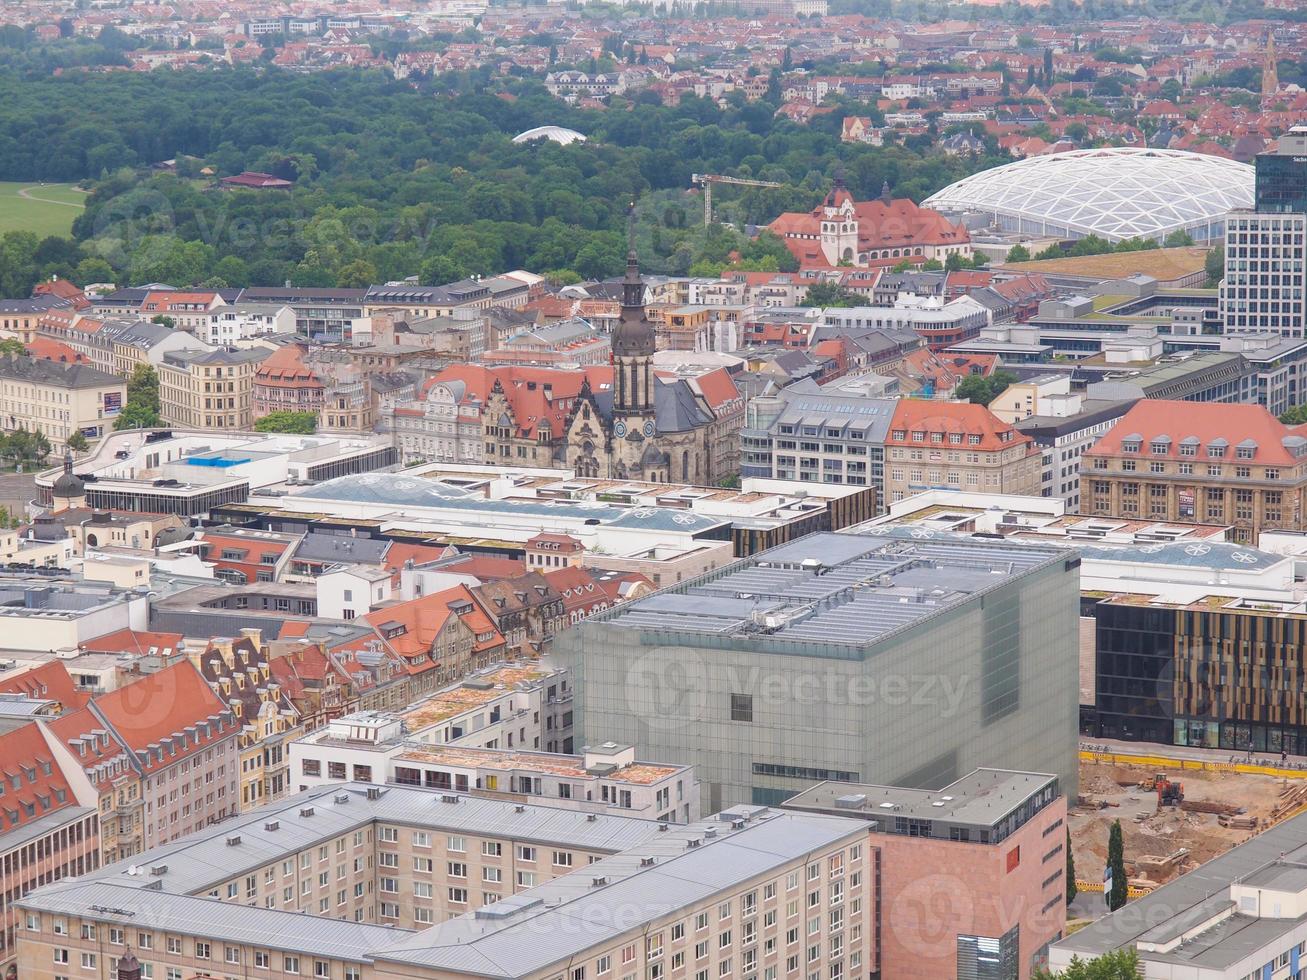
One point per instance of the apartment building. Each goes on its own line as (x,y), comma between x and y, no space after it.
(57,399)
(284,383)
(226,325)
(1188,463)
(20,318)
(50,825)
(750,891)
(375,748)
(210,389)
(183,742)
(239,672)
(109,769)
(959,446)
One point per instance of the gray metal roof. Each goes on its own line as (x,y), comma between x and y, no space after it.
(227,921)
(834,589)
(406,490)
(1203,890)
(203,860)
(563,919)
(340,547)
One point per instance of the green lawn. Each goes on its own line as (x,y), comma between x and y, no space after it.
(46,210)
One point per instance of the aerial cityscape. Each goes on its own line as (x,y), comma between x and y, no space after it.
(653,490)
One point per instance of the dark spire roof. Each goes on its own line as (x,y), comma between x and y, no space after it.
(634,334)
(66,484)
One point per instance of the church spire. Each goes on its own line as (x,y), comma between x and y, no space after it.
(632,285)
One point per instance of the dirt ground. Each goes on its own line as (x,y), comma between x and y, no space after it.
(1163,832)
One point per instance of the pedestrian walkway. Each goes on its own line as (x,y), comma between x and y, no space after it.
(1153,755)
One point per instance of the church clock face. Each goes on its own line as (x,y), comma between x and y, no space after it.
(649,429)
(619,429)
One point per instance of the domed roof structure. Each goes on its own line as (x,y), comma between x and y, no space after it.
(1112,192)
(67,484)
(556,134)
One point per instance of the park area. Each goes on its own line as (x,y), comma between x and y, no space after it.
(44,209)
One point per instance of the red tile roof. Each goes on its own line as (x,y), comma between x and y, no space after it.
(160,705)
(34,784)
(963,418)
(138,643)
(1206,422)
(50,681)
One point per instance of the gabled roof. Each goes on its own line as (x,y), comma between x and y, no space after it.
(50,681)
(159,706)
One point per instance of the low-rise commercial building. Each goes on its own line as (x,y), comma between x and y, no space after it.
(1000,835)
(1237,916)
(959,446)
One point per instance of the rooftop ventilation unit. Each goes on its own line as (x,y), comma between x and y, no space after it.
(272,825)
(306,811)
(233,840)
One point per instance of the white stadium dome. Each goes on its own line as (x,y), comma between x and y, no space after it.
(1113,192)
(555,133)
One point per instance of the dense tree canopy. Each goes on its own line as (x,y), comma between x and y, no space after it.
(395,178)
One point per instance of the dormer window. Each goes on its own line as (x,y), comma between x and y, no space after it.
(1130,446)
(1245,452)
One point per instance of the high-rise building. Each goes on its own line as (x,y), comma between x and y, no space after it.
(1265,284)
(892,659)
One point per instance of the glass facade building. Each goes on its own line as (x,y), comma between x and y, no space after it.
(891,659)
(1211,674)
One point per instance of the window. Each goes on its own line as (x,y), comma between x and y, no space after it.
(456,844)
(201,950)
(562,859)
(742,707)
(88,961)
(291,964)
(261,959)
(458,896)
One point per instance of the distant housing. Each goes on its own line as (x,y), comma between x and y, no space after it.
(257,181)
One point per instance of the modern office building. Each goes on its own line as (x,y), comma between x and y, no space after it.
(1188,463)
(1001,837)
(1239,915)
(844,657)
(1265,284)
(802,432)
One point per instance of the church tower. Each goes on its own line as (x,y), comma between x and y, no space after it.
(635,450)
(634,343)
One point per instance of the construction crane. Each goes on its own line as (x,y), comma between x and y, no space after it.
(707,180)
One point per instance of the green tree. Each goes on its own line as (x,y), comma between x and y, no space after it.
(1116,861)
(142,408)
(12,347)
(299,423)
(23,446)
(1215,265)
(77,442)
(164,321)
(1295,416)
(1071,890)
(1178,239)
(975,389)
(1018,253)
(826,294)
(1121,964)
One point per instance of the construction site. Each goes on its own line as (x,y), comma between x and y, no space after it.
(1172,821)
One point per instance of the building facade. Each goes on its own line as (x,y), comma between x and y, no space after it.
(1197,463)
(58,400)
(209,390)
(959,446)
(1265,284)
(727,683)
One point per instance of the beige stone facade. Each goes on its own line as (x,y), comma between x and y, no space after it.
(57,400)
(212,390)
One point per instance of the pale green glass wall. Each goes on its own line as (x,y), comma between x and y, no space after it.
(992,682)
